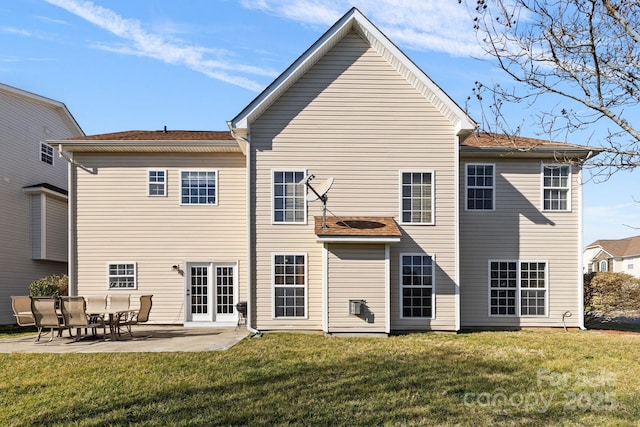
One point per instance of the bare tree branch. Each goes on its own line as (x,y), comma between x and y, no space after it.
(585,53)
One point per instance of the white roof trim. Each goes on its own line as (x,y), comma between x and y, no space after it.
(148,146)
(355,20)
(41,189)
(357,239)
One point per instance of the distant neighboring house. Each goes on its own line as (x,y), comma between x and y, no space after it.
(430,225)
(33,191)
(619,256)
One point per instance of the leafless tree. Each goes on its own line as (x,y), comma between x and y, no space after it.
(585,53)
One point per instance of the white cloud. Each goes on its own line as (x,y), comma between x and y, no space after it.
(141,42)
(12,59)
(51,20)
(16,31)
(442,26)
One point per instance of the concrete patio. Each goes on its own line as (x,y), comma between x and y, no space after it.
(150,338)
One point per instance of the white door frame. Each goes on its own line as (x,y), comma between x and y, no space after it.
(211,318)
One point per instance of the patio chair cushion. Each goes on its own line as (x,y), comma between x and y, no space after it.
(75,315)
(45,314)
(21,306)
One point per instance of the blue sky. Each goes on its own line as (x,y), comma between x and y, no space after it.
(122,65)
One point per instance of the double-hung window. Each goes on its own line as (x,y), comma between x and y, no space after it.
(198,187)
(556,181)
(46,153)
(417,192)
(518,288)
(121,275)
(416,280)
(290,283)
(289,191)
(480,181)
(157,183)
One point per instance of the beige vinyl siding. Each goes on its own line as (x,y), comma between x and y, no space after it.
(24,123)
(117,221)
(356,272)
(353,117)
(520,230)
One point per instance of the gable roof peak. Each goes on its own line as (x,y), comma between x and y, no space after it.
(354,20)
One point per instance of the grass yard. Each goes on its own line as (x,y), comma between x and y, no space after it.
(486,378)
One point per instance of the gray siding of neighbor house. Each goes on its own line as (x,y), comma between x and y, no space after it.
(118,222)
(519,229)
(24,123)
(49,225)
(56,229)
(354,117)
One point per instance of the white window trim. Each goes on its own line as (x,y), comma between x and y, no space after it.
(165,183)
(53,152)
(433,196)
(273,286)
(135,275)
(542,187)
(433,285)
(197,170)
(466,187)
(519,289)
(273,207)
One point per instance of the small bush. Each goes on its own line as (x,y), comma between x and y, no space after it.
(609,292)
(52,285)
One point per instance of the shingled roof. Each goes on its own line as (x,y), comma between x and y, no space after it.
(159,135)
(620,247)
(367,227)
(492,140)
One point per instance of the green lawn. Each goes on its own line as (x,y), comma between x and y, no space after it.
(485,378)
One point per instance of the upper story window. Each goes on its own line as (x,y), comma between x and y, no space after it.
(122,275)
(556,187)
(480,187)
(416,297)
(46,153)
(157,183)
(289,204)
(198,187)
(417,192)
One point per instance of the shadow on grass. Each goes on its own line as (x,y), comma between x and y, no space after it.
(620,322)
(317,380)
(8,331)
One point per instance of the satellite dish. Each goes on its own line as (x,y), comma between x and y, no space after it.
(320,190)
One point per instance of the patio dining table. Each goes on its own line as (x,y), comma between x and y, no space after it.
(114,316)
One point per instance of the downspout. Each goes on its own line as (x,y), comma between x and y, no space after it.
(456,209)
(71,235)
(580,266)
(249,227)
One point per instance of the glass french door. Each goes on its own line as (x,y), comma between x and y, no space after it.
(225,292)
(211,292)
